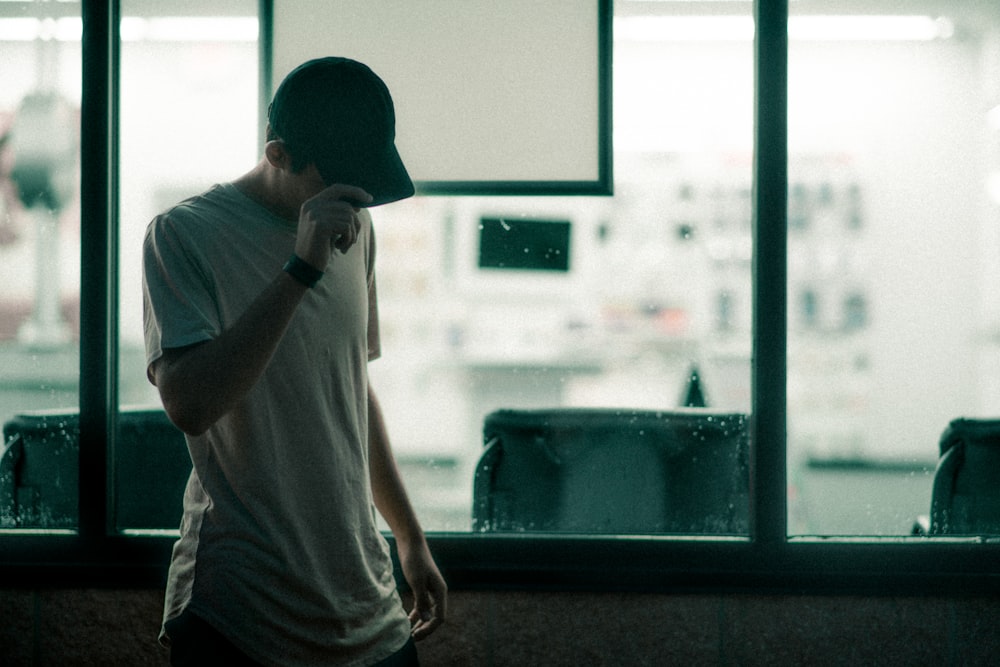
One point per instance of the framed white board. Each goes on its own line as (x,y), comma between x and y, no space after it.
(491,96)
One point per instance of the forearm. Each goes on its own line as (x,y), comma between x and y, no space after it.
(201,384)
(388,490)
(430,592)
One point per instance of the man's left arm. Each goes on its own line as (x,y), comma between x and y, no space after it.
(430,593)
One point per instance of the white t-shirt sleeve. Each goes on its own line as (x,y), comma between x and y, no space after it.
(179,308)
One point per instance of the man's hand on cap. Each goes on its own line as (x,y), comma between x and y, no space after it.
(329,220)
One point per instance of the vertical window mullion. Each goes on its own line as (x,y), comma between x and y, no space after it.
(769,515)
(265,18)
(98,273)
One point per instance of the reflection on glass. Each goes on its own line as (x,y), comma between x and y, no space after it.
(892,247)
(39,262)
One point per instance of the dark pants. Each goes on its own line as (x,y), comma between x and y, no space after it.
(195,643)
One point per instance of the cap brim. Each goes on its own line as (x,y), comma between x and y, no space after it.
(383,176)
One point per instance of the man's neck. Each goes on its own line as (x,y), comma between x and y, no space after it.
(260,185)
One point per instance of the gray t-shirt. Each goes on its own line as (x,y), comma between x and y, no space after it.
(279,548)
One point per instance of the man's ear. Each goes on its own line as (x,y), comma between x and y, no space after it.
(277,154)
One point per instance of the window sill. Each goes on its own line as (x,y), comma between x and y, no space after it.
(907,566)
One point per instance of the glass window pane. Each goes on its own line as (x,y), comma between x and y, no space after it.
(893,252)
(39,262)
(634,295)
(636,305)
(188,119)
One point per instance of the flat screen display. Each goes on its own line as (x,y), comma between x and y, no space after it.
(532,245)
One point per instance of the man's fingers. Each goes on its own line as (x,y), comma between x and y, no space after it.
(423,629)
(426,616)
(351,194)
(349,237)
(345,226)
(420,627)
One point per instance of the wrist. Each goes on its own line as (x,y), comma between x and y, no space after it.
(410,537)
(302,271)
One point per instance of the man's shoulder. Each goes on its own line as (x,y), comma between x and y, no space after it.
(197,213)
(198,207)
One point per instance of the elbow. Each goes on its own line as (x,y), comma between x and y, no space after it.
(185,408)
(186,420)
(185,414)
(193,429)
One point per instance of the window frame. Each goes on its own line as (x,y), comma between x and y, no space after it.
(767,561)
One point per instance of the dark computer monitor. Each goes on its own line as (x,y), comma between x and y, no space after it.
(517,243)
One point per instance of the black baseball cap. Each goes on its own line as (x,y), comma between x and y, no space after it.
(337,113)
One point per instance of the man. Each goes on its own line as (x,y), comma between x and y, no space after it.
(260,318)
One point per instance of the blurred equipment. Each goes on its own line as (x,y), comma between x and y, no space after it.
(694,392)
(43,140)
(44,145)
(613,471)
